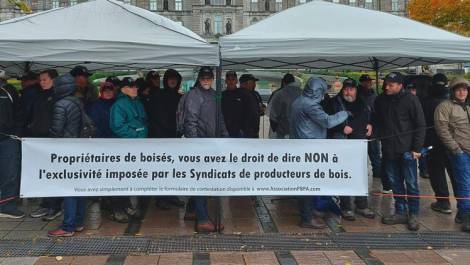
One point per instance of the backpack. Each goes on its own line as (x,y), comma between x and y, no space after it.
(180,115)
(88,128)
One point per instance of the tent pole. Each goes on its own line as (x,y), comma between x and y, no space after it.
(377,74)
(218,97)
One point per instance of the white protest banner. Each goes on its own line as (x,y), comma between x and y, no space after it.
(214,167)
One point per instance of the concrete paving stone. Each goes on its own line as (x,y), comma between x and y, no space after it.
(455,256)
(425,257)
(421,257)
(142,260)
(59,260)
(31,226)
(343,257)
(391,257)
(260,258)
(176,258)
(18,261)
(89,260)
(25,235)
(7,226)
(310,258)
(226,258)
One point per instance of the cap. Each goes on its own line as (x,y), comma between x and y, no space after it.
(411,85)
(205,71)
(459,81)
(394,77)
(364,78)
(152,74)
(29,76)
(440,80)
(349,82)
(247,77)
(114,80)
(80,71)
(106,86)
(3,75)
(231,73)
(128,81)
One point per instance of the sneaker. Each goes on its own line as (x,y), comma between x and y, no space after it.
(387,191)
(466,223)
(60,233)
(395,219)
(52,215)
(79,228)
(13,214)
(366,212)
(348,215)
(441,207)
(38,213)
(315,223)
(207,227)
(413,223)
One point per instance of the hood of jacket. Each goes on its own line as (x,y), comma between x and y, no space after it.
(168,74)
(315,89)
(64,85)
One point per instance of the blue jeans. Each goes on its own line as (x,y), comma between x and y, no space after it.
(461,168)
(10,167)
(74,213)
(200,207)
(378,166)
(403,179)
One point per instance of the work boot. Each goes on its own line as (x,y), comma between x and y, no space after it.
(366,212)
(466,223)
(413,223)
(348,215)
(441,207)
(315,223)
(395,219)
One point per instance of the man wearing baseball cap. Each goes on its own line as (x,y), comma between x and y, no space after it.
(400,120)
(452,123)
(86,91)
(200,121)
(254,106)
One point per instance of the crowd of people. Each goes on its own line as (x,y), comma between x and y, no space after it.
(400,126)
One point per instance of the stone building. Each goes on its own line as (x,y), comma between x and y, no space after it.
(211,18)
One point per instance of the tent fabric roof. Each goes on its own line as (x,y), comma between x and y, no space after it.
(326,35)
(104,34)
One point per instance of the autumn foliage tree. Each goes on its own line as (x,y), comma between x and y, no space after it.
(451,15)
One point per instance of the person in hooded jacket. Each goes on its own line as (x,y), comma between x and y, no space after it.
(161,111)
(308,120)
(438,161)
(99,111)
(29,94)
(50,208)
(66,123)
(357,126)
(400,121)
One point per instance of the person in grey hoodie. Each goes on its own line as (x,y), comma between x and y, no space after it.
(308,120)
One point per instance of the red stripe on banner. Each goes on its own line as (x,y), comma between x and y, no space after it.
(8,199)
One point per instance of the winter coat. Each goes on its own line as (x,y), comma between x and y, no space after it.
(437,94)
(128,118)
(42,114)
(400,122)
(29,96)
(67,111)
(241,113)
(88,94)
(358,121)
(162,108)
(10,112)
(368,96)
(452,121)
(99,113)
(307,118)
(200,115)
(279,108)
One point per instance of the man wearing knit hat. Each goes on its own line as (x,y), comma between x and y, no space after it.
(452,122)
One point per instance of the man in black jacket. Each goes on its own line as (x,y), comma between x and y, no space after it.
(438,161)
(252,106)
(10,124)
(357,126)
(233,103)
(400,119)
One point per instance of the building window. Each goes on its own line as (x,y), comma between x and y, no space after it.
(178,5)
(300,2)
(73,2)
(55,4)
(352,2)
(395,5)
(153,5)
(218,2)
(369,4)
(218,25)
(254,5)
(278,5)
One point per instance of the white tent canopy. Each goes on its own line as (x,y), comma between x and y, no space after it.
(103,34)
(324,35)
